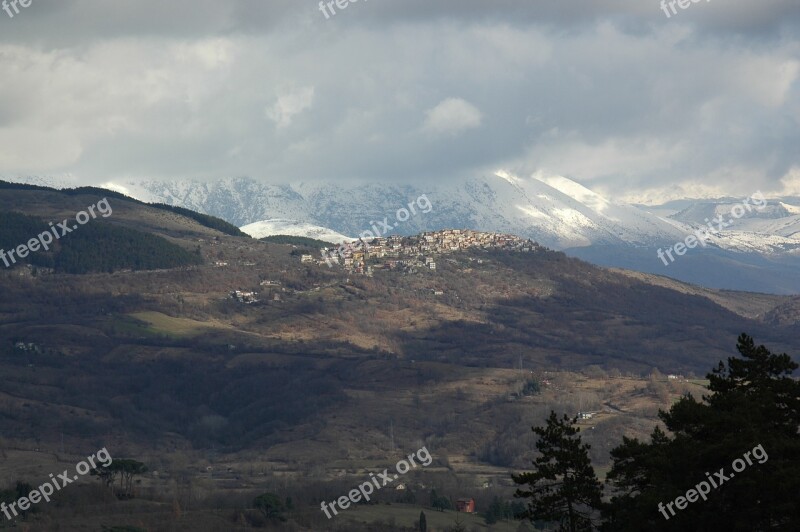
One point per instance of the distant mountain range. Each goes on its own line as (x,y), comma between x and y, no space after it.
(758,251)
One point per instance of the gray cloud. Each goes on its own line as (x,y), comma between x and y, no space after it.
(611,93)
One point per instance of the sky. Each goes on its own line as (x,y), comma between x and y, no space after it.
(614,94)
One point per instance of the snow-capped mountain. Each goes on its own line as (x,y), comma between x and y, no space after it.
(555,211)
(758,251)
(293,228)
(764,226)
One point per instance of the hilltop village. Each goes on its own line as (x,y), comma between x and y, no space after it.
(411,252)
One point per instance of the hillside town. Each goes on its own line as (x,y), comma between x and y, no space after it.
(413,252)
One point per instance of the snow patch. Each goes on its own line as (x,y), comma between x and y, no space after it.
(293,228)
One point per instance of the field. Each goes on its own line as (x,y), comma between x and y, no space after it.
(405,515)
(158,323)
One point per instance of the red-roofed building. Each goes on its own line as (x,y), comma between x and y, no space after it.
(465,505)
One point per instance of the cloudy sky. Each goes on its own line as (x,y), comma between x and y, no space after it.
(611,93)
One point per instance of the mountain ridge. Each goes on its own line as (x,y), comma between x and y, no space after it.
(759,252)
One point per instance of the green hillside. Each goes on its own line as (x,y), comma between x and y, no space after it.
(296,241)
(98,246)
(206,220)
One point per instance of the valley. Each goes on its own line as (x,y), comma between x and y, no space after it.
(328,375)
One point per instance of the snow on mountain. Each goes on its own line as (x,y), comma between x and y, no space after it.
(141,195)
(571,215)
(59,182)
(293,228)
(553,210)
(792,209)
(762,226)
(760,251)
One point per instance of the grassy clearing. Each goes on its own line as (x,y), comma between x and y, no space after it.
(158,323)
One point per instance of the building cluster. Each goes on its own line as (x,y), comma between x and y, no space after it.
(27,347)
(409,253)
(244,297)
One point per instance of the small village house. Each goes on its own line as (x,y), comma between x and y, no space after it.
(465,505)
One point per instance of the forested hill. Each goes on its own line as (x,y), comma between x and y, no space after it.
(206,220)
(127,235)
(99,246)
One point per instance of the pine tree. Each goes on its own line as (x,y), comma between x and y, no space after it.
(440,503)
(754,404)
(494,512)
(458,526)
(271,506)
(563,488)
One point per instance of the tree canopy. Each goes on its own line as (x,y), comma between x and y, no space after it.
(754,404)
(727,461)
(563,488)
